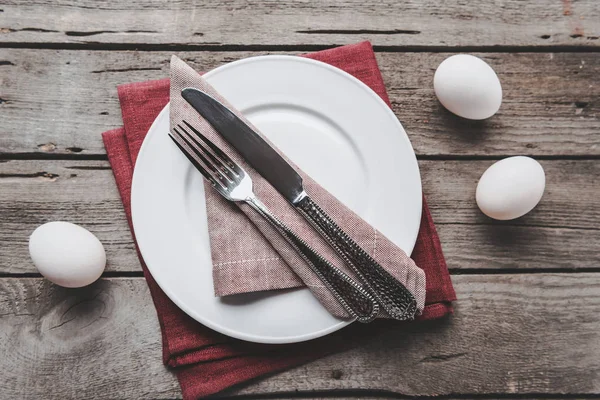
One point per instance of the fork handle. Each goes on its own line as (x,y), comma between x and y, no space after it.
(391,294)
(354,298)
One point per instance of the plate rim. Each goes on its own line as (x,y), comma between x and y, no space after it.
(181,304)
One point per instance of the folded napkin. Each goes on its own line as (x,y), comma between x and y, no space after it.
(264,260)
(207,362)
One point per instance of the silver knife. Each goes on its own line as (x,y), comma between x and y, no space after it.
(391,294)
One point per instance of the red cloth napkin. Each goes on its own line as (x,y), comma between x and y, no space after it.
(205,361)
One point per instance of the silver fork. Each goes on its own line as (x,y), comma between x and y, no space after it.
(232,182)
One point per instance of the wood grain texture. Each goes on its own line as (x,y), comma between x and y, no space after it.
(312,22)
(562,232)
(513,334)
(35,192)
(58,102)
(531,335)
(98,342)
(517,334)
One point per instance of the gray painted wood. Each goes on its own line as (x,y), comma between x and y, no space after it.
(562,232)
(513,334)
(58,102)
(313,22)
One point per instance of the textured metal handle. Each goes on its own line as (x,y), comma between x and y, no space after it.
(391,294)
(357,300)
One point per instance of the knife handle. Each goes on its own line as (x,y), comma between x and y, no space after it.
(391,294)
(358,301)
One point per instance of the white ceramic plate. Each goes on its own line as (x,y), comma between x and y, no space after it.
(333,127)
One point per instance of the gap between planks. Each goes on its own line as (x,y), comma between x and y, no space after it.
(96,46)
(453,271)
(368,394)
(421,157)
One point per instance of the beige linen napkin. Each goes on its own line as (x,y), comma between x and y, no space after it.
(262,259)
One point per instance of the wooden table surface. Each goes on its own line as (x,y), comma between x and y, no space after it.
(527,322)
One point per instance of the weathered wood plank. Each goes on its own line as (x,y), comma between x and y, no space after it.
(513,334)
(102,341)
(60,101)
(562,232)
(36,192)
(526,333)
(312,22)
(359,394)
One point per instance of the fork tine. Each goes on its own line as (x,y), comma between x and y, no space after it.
(192,147)
(187,152)
(218,152)
(201,160)
(215,165)
(207,154)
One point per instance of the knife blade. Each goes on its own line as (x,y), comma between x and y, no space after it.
(250,145)
(391,294)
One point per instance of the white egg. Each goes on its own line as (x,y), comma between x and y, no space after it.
(467,86)
(67,254)
(510,188)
